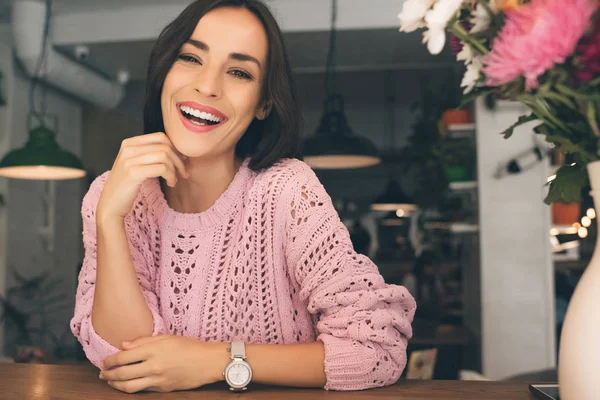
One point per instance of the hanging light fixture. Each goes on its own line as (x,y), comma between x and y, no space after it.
(334,145)
(41,158)
(393,198)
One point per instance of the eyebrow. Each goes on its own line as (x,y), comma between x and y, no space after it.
(234,56)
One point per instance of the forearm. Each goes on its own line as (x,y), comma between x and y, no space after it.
(299,365)
(120,312)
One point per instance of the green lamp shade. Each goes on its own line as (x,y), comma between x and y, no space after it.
(41,159)
(334,145)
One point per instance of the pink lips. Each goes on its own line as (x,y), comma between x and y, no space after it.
(200,128)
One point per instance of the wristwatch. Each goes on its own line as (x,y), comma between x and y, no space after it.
(238,373)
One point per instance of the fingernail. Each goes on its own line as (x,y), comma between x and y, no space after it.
(101,376)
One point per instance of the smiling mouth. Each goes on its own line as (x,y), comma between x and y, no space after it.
(200,118)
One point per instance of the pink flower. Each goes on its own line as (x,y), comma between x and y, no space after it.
(588,55)
(536,36)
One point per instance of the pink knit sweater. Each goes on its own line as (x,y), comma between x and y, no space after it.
(269,262)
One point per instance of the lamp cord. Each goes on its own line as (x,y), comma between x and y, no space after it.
(35,80)
(330,67)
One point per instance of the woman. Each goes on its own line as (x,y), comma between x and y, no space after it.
(209,247)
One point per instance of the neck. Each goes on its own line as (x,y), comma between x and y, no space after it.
(209,178)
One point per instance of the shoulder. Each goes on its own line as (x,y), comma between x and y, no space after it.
(293,188)
(287,175)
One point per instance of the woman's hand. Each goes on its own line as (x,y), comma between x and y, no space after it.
(140,157)
(165,364)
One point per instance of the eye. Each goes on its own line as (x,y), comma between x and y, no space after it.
(241,74)
(188,58)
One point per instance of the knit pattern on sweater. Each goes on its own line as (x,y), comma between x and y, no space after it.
(269,262)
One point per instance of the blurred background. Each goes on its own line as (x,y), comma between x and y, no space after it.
(451,210)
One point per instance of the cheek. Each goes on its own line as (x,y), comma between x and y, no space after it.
(246,101)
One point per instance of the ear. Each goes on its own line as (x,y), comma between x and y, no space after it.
(264,111)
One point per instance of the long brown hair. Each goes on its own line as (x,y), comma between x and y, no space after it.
(276,137)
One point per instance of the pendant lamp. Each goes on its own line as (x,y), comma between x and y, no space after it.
(41,159)
(334,145)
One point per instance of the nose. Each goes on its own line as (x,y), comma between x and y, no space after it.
(208,82)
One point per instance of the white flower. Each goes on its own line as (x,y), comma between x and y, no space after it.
(436,20)
(466,54)
(435,38)
(480,19)
(472,74)
(413,14)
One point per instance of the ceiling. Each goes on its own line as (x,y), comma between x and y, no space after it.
(75,6)
(356,51)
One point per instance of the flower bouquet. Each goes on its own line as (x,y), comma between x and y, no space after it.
(544,54)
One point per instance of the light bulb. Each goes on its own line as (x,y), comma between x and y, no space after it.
(582,232)
(591,213)
(400,213)
(586,221)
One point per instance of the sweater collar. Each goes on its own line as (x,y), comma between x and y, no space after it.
(216,214)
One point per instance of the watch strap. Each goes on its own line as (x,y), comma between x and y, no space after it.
(238,350)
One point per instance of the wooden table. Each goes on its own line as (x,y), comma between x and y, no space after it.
(53,382)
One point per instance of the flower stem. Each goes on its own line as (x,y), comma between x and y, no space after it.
(568,91)
(456,29)
(561,99)
(591,117)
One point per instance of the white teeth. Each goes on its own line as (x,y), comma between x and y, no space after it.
(200,114)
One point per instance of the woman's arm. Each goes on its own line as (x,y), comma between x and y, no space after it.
(299,365)
(113,274)
(119,311)
(363,323)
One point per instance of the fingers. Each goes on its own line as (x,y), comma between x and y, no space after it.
(149,138)
(158,141)
(137,385)
(127,372)
(142,172)
(159,156)
(124,358)
(142,341)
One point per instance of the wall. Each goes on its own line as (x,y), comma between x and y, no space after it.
(104,130)
(25,210)
(517,284)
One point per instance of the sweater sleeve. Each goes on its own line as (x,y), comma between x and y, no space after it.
(94,346)
(363,323)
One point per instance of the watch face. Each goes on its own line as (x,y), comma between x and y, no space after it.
(238,375)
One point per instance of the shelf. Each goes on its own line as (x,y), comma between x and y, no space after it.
(563,230)
(463,228)
(459,186)
(461,127)
(454,227)
(443,336)
(461,131)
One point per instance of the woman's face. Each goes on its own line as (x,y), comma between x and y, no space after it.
(213,90)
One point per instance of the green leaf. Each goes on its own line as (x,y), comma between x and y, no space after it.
(474,94)
(566,188)
(542,129)
(523,119)
(567,146)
